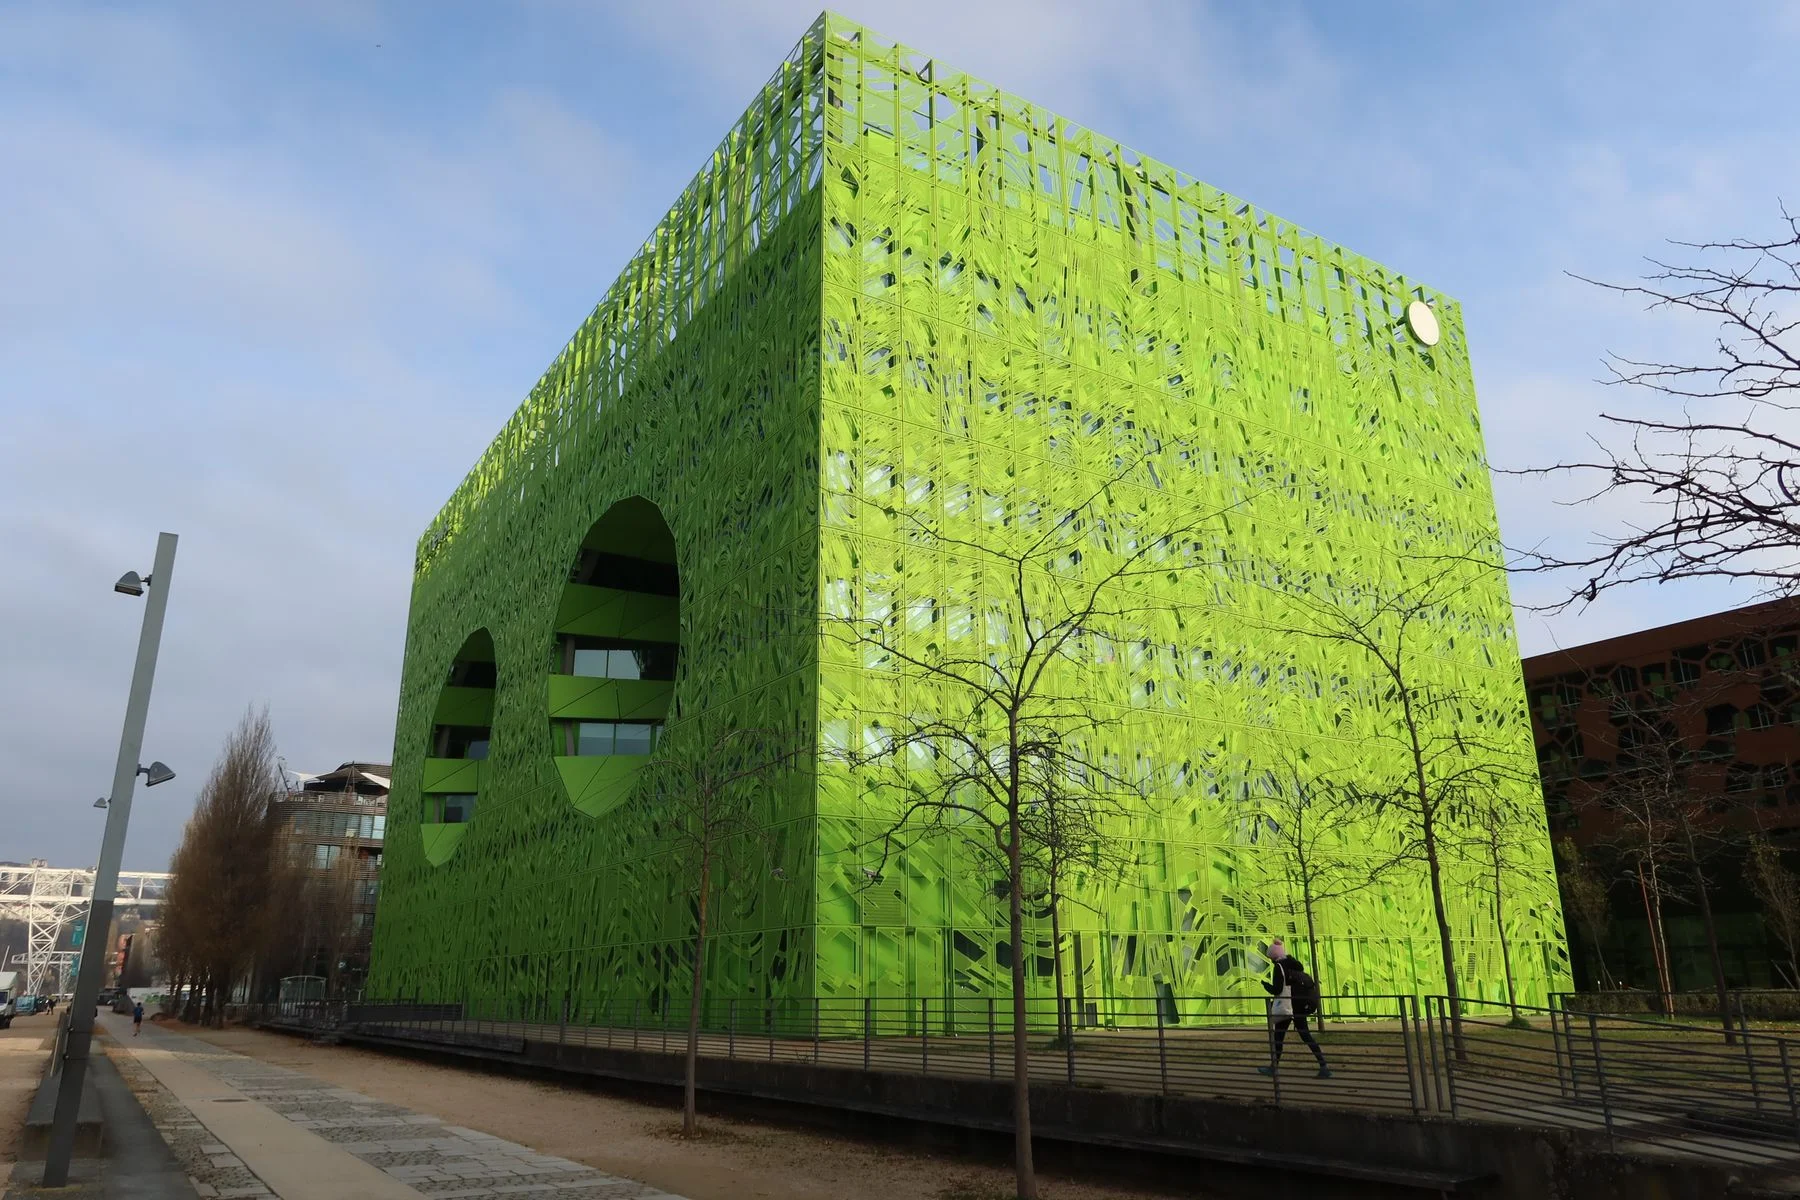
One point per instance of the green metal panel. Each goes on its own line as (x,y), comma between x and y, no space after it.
(607,612)
(464,706)
(894,282)
(579,698)
(452,775)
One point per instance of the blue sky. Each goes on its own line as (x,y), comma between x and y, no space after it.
(272,275)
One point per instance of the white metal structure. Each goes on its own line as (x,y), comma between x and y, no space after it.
(49,900)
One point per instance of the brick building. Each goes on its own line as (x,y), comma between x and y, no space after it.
(333,825)
(1713,705)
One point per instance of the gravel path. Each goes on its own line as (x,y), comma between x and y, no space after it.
(733,1160)
(446,1162)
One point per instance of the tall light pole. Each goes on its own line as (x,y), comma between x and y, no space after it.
(112,848)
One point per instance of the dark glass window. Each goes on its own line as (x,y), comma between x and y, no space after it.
(594,737)
(633,739)
(615,737)
(472,674)
(614,658)
(598,569)
(461,741)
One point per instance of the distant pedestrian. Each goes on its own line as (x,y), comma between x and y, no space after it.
(1296,997)
(137,1022)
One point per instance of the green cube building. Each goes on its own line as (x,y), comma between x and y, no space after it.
(895,290)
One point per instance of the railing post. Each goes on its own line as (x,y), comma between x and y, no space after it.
(562,1028)
(1067,1016)
(924,1035)
(634,1021)
(1406,1047)
(1749,1055)
(868,1027)
(769,1026)
(1787,1084)
(1162,1050)
(731,1028)
(1560,1049)
(663,1020)
(1600,1076)
(1274,1059)
(815,1031)
(990,1001)
(1431,1048)
(1449,1025)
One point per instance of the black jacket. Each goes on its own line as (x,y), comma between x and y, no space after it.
(1282,975)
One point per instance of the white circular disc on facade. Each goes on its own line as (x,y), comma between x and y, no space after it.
(1423,322)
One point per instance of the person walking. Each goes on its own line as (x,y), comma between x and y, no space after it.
(1296,997)
(137,1019)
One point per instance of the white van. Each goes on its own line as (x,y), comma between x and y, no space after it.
(9,988)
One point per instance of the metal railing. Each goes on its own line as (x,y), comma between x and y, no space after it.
(1644,1083)
(1634,1083)
(1196,1045)
(1768,1005)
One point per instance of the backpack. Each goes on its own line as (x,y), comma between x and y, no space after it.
(1305,991)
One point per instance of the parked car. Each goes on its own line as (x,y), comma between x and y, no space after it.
(25,1005)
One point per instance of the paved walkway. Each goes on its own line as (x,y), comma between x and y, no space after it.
(246,1128)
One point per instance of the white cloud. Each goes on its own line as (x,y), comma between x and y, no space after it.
(263,285)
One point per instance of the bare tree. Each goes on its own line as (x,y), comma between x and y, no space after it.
(1723,474)
(317,902)
(706,792)
(1450,743)
(1071,829)
(1014,729)
(1306,819)
(1497,836)
(1586,896)
(1778,888)
(1668,830)
(218,901)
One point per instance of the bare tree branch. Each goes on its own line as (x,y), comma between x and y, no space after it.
(1724,486)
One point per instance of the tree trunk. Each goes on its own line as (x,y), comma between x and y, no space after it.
(1703,896)
(1446,947)
(688,1123)
(1606,979)
(1022,1165)
(1659,950)
(1428,834)
(1312,940)
(1312,944)
(1512,995)
(1065,1028)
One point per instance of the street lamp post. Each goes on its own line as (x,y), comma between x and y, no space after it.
(112,848)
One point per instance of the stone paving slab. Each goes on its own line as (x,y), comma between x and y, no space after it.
(414,1151)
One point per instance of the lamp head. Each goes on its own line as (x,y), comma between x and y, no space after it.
(130,584)
(100,803)
(156,773)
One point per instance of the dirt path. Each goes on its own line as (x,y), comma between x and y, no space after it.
(738,1159)
(22,1058)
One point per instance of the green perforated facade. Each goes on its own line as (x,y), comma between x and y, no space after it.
(896,290)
